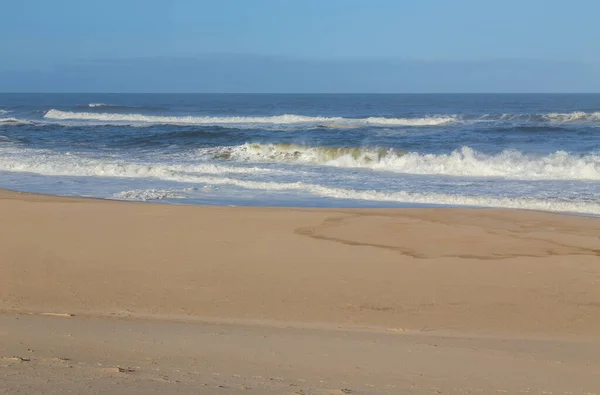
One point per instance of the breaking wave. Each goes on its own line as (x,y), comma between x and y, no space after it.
(14,121)
(554,117)
(318,121)
(95,105)
(351,156)
(465,162)
(55,164)
(573,117)
(287,119)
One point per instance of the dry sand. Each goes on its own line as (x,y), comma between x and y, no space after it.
(180,299)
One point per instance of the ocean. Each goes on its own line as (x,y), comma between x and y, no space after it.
(534,151)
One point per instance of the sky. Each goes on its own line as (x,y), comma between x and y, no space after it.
(62,45)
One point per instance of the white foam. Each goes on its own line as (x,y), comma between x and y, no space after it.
(465,162)
(14,121)
(331,122)
(577,116)
(555,205)
(3,112)
(409,197)
(287,119)
(148,194)
(53,164)
(554,117)
(426,121)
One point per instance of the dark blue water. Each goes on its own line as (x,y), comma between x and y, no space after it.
(525,151)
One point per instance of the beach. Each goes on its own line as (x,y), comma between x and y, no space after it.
(299,198)
(101,295)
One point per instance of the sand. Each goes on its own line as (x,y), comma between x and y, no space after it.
(118,297)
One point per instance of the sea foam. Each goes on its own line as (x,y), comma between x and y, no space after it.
(46,163)
(464,162)
(577,116)
(148,194)
(56,164)
(286,119)
(15,121)
(556,205)
(319,121)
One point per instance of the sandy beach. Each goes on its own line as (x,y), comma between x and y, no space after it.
(119,297)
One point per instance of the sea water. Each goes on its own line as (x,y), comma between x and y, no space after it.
(537,152)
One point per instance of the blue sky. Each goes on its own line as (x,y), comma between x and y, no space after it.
(50,39)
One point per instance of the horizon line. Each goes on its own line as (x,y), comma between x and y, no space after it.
(298,93)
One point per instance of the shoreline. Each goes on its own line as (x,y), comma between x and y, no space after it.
(401,206)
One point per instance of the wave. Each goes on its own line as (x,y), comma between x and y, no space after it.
(319,121)
(9,120)
(95,105)
(556,205)
(14,121)
(426,121)
(286,119)
(54,164)
(573,117)
(4,112)
(148,194)
(120,106)
(353,156)
(545,118)
(465,162)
